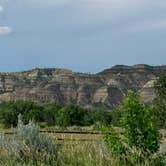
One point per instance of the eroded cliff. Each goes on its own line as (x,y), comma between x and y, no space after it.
(104,89)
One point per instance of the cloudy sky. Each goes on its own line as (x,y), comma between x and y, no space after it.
(82,35)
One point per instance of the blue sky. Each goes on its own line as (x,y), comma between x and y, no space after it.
(82,35)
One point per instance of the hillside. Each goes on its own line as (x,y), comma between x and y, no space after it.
(104,89)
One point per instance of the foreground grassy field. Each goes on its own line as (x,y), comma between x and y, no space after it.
(74,150)
(80,150)
(74,154)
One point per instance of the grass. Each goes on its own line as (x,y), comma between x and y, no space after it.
(79,154)
(76,138)
(80,150)
(70,128)
(75,154)
(83,154)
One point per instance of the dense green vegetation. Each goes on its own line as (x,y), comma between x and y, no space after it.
(52,114)
(141,136)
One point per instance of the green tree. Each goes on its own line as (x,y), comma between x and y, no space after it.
(8,117)
(139,126)
(117,114)
(9,112)
(98,117)
(160,100)
(50,113)
(71,115)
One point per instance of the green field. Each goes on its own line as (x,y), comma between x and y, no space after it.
(66,139)
(88,149)
(74,149)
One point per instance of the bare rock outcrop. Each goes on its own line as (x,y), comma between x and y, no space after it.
(104,89)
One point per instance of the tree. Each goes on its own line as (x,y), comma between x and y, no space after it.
(117,114)
(8,117)
(50,113)
(71,115)
(160,100)
(98,116)
(9,112)
(139,125)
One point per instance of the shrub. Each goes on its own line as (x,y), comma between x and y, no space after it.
(50,113)
(27,144)
(139,124)
(9,112)
(115,142)
(141,136)
(71,115)
(102,117)
(117,114)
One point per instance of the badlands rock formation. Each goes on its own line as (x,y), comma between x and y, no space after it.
(104,89)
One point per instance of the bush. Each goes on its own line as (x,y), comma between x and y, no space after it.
(27,144)
(116,115)
(50,113)
(99,116)
(115,142)
(9,112)
(71,115)
(139,124)
(141,136)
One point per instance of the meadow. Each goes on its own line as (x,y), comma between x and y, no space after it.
(78,148)
(74,149)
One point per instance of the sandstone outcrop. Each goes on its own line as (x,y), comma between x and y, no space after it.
(104,89)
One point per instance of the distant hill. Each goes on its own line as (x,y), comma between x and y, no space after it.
(103,89)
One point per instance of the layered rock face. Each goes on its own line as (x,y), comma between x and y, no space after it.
(104,89)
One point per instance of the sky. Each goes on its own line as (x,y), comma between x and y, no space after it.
(81,35)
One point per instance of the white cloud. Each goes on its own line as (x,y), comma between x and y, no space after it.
(5,30)
(129,15)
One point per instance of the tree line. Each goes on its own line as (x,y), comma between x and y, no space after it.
(52,114)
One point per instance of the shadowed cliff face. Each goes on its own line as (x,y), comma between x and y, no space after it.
(104,89)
